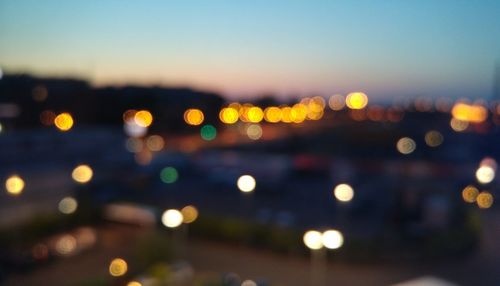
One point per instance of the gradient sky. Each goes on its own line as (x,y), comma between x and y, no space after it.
(243,48)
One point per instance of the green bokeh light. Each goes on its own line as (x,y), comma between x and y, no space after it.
(169,175)
(208,132)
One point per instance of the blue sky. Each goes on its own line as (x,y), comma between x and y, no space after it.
(247,48)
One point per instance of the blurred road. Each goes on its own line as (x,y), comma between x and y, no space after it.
(480,268)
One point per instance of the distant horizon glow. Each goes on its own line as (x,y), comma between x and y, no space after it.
(289,49)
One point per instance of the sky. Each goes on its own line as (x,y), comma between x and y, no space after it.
(387,48)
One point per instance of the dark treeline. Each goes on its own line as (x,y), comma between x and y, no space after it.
(23,98)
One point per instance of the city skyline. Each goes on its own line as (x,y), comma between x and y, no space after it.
(386,49)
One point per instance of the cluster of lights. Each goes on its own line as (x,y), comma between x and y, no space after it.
(173,218)
(474,113)
(331,239)
(14,185)
(306,109)
(485,174)
(471,194)
(486,171)
(136,123)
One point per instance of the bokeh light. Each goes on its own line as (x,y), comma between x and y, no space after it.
(313,239)
(469,113)
(336,102)
(66,245)
(343,192)
(489,162)
(356,100)
(229,115)
(189,214)
(118,267)
(14,185)
(255,114)
(143,118)
(208,132)
(134,283)
(458,125)
(194,116)
(332,239)
(155,143)
(272,114)
(433,138)
(484,200)
(82,174)
(169,175)
(298,113)
(406,145)
(469,194)
(134,145)
(485,174)
(172,218)
(63,121)
(248,283)
(68,205)
(246,183)
(254,131)
(47,117)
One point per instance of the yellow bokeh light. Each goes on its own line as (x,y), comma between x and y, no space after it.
(172,218)
(316,104)
(194,116)
(469,194)
(143,118)
(272,114)
(485,174)
(82,174)
(298,113)
(63,121)
(458,125)
(313,239)
(14,185)
(343,192)
(356,100)
(246,183)
(484,200)
(311,115)
(118,267)
(134,283)
(469,113)
(332,239)
(255,114)
(433,138)
(189,214)
(229,115)
(286,116)
(406,145)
